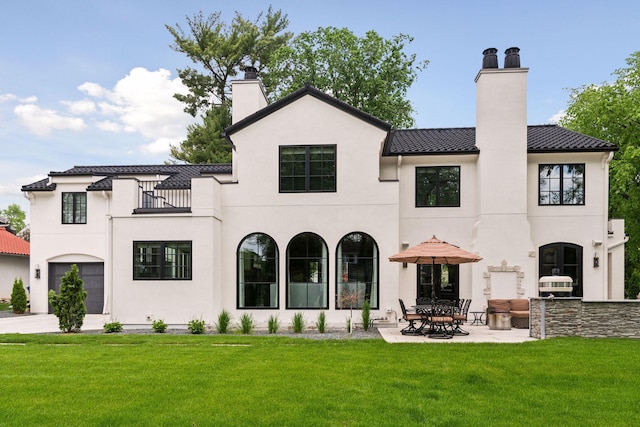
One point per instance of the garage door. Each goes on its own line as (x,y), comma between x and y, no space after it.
(92,273)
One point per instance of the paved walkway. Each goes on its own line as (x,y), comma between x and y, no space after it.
(480,333)
(42,323)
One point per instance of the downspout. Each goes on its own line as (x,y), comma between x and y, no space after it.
(108,301)
(605,271)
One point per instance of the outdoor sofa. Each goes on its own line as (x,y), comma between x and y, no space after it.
(518,308)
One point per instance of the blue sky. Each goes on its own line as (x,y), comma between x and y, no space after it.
(90,82)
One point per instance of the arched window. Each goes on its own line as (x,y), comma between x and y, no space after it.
(258,272)
(307,267)
(357,270)
(567,258)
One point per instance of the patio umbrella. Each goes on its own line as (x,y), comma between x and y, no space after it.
(435,251)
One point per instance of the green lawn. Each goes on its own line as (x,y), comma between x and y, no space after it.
(188,380)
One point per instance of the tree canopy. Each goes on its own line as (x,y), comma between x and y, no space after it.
(15,215)
(220,51)
(611,111)
(370,73)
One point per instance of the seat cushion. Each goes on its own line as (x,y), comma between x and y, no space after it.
(520,314)
(520,304)
(499,305)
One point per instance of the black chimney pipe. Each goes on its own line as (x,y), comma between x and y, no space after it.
(512,58)
(490,59)
(250,73)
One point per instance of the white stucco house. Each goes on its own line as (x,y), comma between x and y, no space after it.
(318,196)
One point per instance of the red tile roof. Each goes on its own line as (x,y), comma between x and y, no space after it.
(13,245)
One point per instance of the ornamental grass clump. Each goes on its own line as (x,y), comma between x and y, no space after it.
(246,323)
(273,324)
(298,323)
(321,323)
(18,297)
(224,320)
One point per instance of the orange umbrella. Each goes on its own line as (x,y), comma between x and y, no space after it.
(435,251)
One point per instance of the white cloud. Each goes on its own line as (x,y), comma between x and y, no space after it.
(108,126)
(42,121)
(81,107)
(4,97)
(93,89)
(557,117)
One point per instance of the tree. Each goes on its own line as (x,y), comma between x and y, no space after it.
(611,111)
(15,215)
(220,52)
(18,297)
(370,73)
(68,306)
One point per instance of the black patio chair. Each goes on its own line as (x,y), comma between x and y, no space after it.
(460,316)
(441,320)
(412,318)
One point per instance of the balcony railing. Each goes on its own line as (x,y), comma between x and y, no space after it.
(153,198)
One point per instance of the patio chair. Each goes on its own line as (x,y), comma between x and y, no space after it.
(441,320)
(423,301)
(412,318)
(460,316)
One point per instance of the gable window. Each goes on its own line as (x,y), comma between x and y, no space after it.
(561,184)
(162,260)
(438,186)
(307,168)
(307,267)
(74,208)
(258,272)
(357,268)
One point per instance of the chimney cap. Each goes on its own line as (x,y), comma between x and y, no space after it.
(490,59)
(512,58)
(250,73)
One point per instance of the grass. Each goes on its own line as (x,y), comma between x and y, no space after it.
(4,306)
(237,380)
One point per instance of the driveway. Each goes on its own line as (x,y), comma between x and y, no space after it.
(43,323)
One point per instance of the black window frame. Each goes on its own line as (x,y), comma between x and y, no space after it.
(561,189)
(308,259)
(568,258)
(307,171)
(373,285)
(162,264)
(421,202)
(77,202)
(258,283)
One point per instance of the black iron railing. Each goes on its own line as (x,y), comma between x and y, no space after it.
(153,198)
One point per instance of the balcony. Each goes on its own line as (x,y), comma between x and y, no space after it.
(156,197)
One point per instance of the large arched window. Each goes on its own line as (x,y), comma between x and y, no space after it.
(357,271)
(307,267)
(258,272)
(567,258)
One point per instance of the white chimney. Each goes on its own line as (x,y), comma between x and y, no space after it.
(248,95)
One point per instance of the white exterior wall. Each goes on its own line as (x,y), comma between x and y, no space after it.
(52,241)
(13,267)
(361,203)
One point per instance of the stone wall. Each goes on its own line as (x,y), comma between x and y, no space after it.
(565,317)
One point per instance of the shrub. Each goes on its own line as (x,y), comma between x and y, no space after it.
(321,323)
(112,327)
(18,297)
(274,324)
(246,323)
(298,322)
(224,320)
(159,326)
(366,315)
(68,306)
(196,326)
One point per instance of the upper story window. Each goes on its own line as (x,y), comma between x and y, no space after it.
(307,168)
(74,208)
(159,260)
(561,184)
(438,186)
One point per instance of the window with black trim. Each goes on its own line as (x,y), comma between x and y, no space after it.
(159,260)
(307,272)
(307,168)
(258,272)
(357,271)
(74,208)
(561,184)
(438,186)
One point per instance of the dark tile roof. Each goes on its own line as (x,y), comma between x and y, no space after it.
(305,90)
(540,139)
(179,175)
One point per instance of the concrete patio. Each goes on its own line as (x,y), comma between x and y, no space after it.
(479,333)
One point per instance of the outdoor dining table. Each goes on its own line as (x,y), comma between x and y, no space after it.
(433,331)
